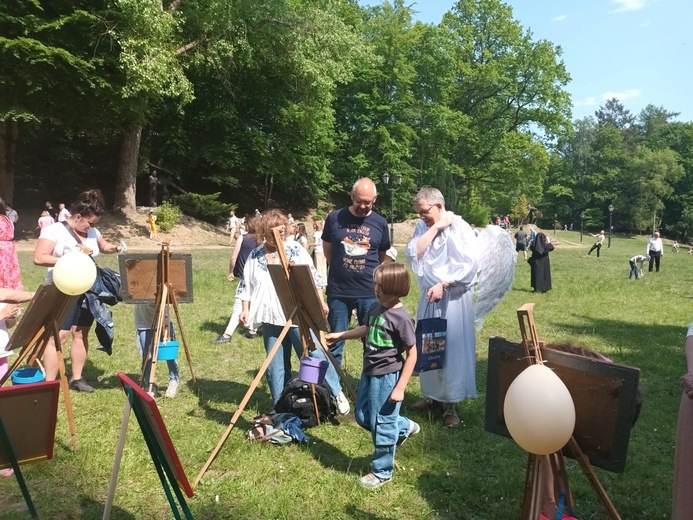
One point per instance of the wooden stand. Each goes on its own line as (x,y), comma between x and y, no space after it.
(532,502)
(44,315)
(165,296)
(166,462)
(299,299)
(27,437)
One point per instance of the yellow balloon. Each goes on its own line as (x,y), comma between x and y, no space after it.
(74,273)
(539,411)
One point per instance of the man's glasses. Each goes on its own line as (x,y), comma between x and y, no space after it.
(364,203)
(426,211)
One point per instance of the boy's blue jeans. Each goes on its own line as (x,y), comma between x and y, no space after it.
(340,316)
(633,270)
(144,338)
(380,417)
(279,370)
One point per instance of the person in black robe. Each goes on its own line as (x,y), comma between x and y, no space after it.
(539,263)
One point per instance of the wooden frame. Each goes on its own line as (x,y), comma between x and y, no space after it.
(139,275)
(604,395)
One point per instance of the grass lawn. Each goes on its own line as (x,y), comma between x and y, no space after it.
(452,474)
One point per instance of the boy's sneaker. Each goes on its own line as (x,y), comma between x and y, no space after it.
(372,481)
(342,404)
(172,389)
(414,428)
(80,385)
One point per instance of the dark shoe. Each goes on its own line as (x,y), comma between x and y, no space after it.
(222,338)
(107,350)
(80,385)
(424,404)
(450,417)
(251,334)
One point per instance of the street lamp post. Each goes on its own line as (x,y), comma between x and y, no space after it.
(611,214)
(582,221)
(392,189)
(555,223)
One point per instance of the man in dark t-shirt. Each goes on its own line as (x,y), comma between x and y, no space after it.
(521,242)
(355,240)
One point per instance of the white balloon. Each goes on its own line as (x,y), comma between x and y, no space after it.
(539,411)
(74,273)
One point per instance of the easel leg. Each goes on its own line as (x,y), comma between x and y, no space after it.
(593,479)
(246,397)
(65,387)
(531,505)
(116,462)
(174,302)
(5,441)
(153,350)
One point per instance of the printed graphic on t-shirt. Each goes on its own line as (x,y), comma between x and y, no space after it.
(356,244)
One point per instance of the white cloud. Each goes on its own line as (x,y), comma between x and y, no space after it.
(559,18)
(587,102)
(623,95)
(624,6)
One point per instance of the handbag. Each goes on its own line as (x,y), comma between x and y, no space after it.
(431,341)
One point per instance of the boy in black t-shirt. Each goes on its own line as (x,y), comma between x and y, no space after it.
(389,334)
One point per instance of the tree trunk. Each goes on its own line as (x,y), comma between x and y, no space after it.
(127,169)
(9,133)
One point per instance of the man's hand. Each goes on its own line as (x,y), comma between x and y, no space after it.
(332,337)
(435,293)
(445,220)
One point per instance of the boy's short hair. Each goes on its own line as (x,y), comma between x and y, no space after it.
(393,278)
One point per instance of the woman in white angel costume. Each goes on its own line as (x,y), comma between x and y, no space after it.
(452,265)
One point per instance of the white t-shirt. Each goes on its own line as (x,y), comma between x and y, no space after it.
(63,214)
(317,240)
(65,242)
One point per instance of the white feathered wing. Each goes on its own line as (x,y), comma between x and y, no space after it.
(497,257)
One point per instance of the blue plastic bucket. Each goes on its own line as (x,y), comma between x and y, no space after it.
(168,350)
(27,375)
(312,370)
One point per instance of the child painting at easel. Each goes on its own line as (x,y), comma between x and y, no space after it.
(145,325)
(389,335)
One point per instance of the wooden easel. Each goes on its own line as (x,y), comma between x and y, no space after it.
(165,296)
(532,502)
(291,283)
(46,312)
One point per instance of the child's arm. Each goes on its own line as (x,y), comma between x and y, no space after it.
(397,395)
(358,332)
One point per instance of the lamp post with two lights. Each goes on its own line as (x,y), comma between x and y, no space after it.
(392,189)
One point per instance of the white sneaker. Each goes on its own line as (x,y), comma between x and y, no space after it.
(342,404)
(172,389)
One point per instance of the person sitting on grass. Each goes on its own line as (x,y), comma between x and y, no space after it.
(389,333)
(636,264)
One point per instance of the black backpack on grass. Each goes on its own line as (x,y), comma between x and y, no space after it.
(297,399)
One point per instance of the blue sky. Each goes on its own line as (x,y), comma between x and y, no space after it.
(638,51)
